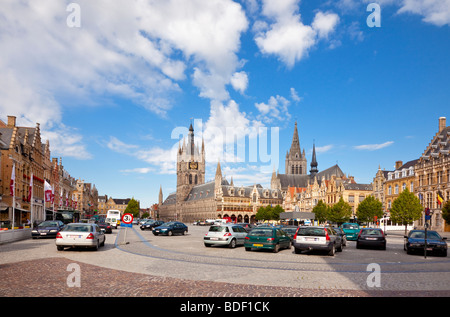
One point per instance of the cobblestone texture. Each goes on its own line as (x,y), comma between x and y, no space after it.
(48,278)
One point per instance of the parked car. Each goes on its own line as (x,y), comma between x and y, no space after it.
(317,238)
(150,224)
(226,234)
(267,238)
(371,237)
(341,232)
(47,229)
(415,242)
(85,235)
(247,226)
(290,231)
(106,227)
(351,230)
(170,228)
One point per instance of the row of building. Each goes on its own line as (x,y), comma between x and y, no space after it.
(298,191)
(27,170)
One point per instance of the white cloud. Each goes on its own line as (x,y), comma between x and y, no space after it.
(436,12)
(239,81)
(373,147)
(288,38)
(275,108)
(324,149)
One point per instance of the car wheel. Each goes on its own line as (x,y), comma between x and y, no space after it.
(297,251)
(60,248)
(232,244)
(207,245)
(248,249)
(332,251)
(96,246)
(276,249)
(170,233)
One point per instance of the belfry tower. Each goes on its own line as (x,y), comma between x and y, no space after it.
(190,166)
(295,159)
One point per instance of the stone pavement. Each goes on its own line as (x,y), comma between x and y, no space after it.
(48,278)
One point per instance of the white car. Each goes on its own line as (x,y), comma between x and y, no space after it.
(87,235)
(229,234)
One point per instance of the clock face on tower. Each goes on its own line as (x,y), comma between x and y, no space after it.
(193,165)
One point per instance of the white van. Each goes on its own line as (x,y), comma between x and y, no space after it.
(113,218)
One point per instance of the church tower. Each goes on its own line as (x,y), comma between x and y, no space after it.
(190,166)
(296,160)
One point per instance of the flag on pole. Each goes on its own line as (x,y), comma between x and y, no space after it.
(13,181)
(440,197)
(48,192)
(30,191)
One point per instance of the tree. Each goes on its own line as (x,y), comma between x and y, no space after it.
(263,213)
(321,211)
(275,212)
(446,212)
(369,208)
(132,208)
(406,208)
(340,212)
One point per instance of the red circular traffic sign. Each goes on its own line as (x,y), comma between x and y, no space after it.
(127,218)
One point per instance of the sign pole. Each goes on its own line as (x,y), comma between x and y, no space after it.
(127,220)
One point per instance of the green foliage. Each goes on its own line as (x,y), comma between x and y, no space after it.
(340,212)
(369,208)
(132,208)
(269,213)
(321,211)
(406,208)
(446,212)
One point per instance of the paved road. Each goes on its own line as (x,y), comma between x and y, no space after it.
(180,266)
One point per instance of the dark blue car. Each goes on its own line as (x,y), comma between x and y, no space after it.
(47,229)
(415,242)
(170,228)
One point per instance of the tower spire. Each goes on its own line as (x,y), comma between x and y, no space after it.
(314,164)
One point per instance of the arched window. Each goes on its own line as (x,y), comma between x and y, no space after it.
(190,178)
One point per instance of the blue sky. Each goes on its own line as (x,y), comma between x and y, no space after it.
(114,93)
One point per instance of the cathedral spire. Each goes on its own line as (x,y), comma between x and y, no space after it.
(314,163)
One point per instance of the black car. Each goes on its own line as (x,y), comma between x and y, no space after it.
(415,242)
(290,231)
(170,228)
(104,226)
(47,229)
(341,232)
(371,237)
(247,226)
(150,224)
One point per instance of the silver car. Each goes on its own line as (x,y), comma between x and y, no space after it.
(226,234)
(88,235)
(317,238)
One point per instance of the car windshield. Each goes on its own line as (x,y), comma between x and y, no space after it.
(218,229)
(421,235)
(371,232)
(78,227)
(261,232)
(310,231)
(350,226)
(48,224)
(289,230)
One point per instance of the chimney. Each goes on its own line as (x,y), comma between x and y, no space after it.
(11,121)
(398,164)
(442,124)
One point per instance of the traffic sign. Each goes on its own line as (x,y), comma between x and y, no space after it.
(127,219)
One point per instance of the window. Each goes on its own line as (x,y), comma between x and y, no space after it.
(396,189)
(411,187)
(390,190)
(403,186)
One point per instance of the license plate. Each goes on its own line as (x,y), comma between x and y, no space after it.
(311,239)
(213,238)
(74,236)
(258,245)
(371,238)
(43,233)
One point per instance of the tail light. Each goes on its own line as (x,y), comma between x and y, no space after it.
(295,235)
(90,236)
(359,234)
(247,238)
(327,236)
(227,234)
(270,239)
(58,236)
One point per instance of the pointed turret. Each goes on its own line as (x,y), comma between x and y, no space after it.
(314,164)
